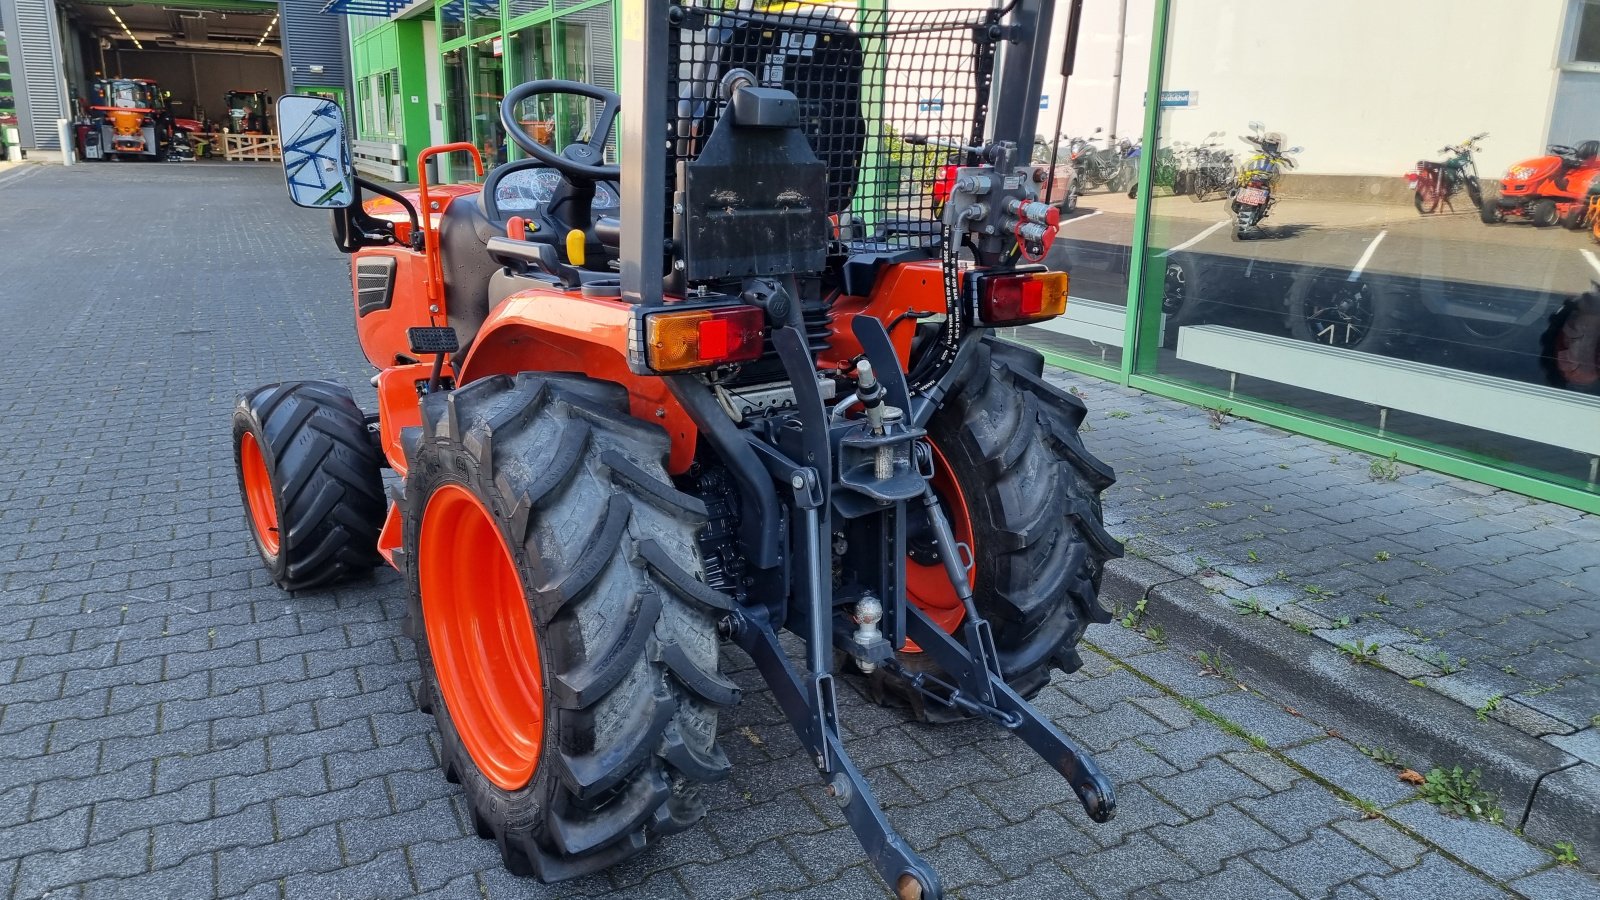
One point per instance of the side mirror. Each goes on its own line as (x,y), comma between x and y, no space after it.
(1296,149)
(316,156)
(1098,130)
(1256,126)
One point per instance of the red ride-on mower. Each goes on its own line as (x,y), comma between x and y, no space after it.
(1547,189)
(748,384)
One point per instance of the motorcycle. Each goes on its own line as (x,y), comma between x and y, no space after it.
(1253,196)
(1063,188)
(1436,182)
(1547,189)
(1100,167)
(1207,170)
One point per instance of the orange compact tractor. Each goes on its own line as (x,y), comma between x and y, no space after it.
(745,382)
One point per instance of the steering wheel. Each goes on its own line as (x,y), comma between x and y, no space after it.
(582,161)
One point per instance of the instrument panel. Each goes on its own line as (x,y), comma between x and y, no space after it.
(527,190)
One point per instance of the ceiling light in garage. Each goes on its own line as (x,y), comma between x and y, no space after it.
(129,32)
(270,25)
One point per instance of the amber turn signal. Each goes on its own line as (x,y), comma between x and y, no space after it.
(681,341)
(1020,298)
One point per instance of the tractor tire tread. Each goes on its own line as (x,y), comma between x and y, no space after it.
(629,647)
(1033,493)
(326,476)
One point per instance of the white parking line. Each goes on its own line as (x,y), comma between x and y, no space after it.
(18,175)
(1367,256)
(1197,238)
(1066,222)
(1594,263)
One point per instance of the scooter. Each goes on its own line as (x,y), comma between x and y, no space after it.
(1547,189)
(1254,196)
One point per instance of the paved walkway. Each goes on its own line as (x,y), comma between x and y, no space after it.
(1485,597)
(173,726)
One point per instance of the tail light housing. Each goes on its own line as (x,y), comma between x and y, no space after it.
(690,339)
(946,183)
(1018,296)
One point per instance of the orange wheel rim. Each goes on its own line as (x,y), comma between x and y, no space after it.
(258,493)
(928,586)
(480,634)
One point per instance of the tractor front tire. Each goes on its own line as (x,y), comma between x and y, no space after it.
(311,480)
(1031,495)
(567,640)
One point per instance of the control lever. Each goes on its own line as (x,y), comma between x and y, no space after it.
(922,140)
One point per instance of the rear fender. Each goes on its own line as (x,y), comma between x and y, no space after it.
(899,289)
(544,330)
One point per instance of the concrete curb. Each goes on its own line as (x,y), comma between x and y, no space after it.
(1551,794)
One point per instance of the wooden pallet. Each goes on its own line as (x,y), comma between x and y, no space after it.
(251,148)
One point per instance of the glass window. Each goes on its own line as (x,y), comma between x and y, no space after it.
(573,117)
(1405,251)
(1586,49)
(530,59)
(367,90)
(452,19)
(394,126)
(484,16)
(1096,159)
(458,115)
(488,88)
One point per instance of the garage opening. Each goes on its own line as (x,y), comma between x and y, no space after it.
(174,79)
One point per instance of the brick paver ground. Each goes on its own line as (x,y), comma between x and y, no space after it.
(1485,596)
(173,726)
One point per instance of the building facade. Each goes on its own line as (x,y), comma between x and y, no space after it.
(435,72)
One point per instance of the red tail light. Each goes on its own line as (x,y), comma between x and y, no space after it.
(1017,298)
(945,185)
(685,340)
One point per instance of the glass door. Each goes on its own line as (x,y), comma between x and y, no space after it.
(488,89)
(531,58)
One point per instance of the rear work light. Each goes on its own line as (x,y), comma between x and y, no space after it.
(1018,298)
(679,341)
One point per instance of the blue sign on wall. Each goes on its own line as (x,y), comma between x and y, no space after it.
(1180,98)
(1044,101)
(930,104)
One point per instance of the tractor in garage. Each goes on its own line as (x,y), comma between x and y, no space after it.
(749,385)
(127,118)
(246,112)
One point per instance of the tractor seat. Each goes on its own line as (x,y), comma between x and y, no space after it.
(464,230)
(1587,151)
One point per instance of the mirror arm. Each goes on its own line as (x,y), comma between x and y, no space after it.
(411,209)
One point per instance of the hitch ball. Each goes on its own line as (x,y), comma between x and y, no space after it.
(868,613)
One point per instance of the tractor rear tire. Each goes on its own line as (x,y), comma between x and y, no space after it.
(620,659)
(310,477)
(1032,494)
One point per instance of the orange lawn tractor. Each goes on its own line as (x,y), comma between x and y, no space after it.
(1547,189)
(750,384)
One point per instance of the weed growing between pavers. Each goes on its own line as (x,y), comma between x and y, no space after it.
(1457,793)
